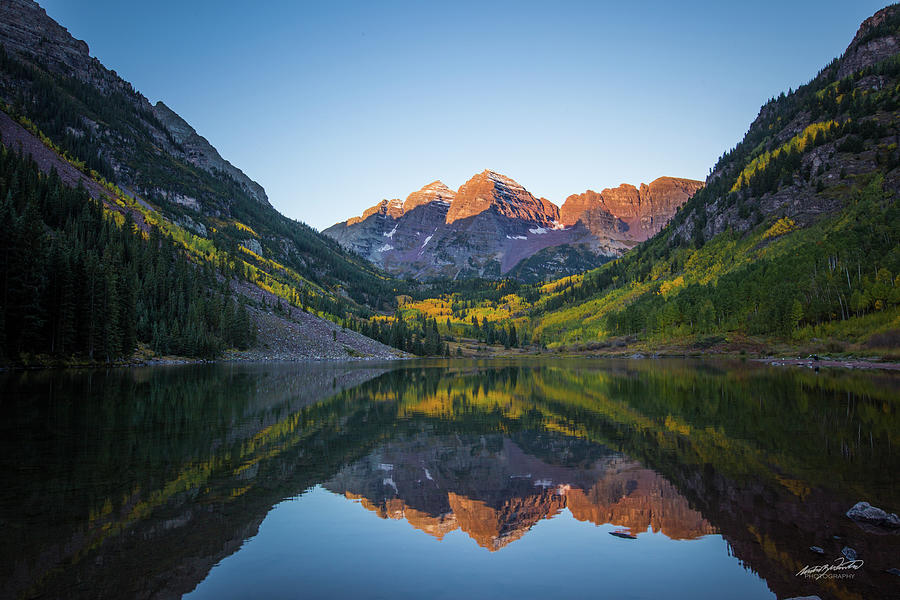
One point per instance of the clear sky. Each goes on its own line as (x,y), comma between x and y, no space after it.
(333,105)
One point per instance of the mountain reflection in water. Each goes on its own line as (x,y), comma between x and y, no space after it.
(138,483)
(495,488)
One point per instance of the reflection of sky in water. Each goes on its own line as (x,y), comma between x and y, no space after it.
(321,545)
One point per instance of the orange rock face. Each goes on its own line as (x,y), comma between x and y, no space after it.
(394,508)
(653,503)
(636,499)
(497,506)
(489,190)
(435,191)
(492,223)
(494,528)
(392,208)
(639,212)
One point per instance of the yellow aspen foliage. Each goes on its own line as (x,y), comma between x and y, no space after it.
(668,287)
(780,227)
(797,143)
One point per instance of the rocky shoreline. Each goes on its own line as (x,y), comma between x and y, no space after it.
(816,363)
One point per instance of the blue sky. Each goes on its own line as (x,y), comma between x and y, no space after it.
(332,106)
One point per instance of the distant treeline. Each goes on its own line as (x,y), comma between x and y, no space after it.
(419,336)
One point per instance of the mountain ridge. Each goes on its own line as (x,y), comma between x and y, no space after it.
(492,223)
(27,30)
(201,153)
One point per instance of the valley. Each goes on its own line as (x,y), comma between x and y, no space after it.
(683,386)
(788,247)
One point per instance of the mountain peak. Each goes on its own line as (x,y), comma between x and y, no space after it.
(25,28)
(870,25)
(491,190)
(435,191)
(492,223)
(499,178)
(392,208)
(437,184)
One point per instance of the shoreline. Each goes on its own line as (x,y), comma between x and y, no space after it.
(256,357)
(831,363)
(179,361)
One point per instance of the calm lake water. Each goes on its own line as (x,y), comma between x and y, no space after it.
(504,479)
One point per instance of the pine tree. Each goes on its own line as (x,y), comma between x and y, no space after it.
(111,315)
(28,299)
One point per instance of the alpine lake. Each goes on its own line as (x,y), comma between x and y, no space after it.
(513,478)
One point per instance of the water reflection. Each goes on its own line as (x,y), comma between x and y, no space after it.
(136,483)
(495,488)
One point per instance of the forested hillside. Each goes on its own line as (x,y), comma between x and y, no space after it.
(74,280)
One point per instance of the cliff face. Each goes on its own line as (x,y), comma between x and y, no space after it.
(25,28)
(638,213)
(876,40)
(492,223)
(435,191)
(385,208)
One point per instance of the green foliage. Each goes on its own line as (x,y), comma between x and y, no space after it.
(841,268)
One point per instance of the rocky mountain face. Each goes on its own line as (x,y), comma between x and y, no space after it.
(198,151)
(494,490)
(29,33)
(435,191)
(489,191)
(492,224)
(638,212)
(876,40)
(26,28)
